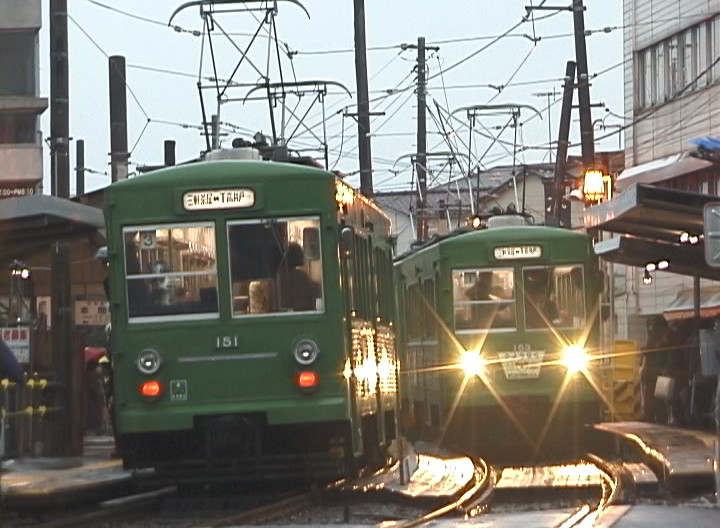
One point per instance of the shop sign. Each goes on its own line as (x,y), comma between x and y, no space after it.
(18,340)
(92,313)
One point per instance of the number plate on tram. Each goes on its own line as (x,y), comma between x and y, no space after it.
(521,364)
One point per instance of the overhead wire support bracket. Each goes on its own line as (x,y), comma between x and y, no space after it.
(511,106)
(208,10)
(212,3)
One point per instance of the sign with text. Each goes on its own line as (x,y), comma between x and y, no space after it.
(14,192)
(218,199)
(521,364)
(517,252)
(92,313)
(18,340)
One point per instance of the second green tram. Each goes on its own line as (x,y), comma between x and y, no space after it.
(500,327)
(252,320)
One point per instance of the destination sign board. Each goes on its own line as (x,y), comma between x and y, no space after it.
(218,199)
(517,252)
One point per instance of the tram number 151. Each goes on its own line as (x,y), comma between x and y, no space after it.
(226,342)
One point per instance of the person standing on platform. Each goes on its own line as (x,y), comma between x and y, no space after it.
(653,363)
(94,398)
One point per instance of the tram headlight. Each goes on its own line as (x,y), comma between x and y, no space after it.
(575,358)
(149,361)
(473,363)
(306,352)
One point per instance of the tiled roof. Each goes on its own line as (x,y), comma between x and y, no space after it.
(455,195)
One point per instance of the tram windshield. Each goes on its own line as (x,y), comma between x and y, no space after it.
(554,296)
(171,270)
(275,266)
(484,300)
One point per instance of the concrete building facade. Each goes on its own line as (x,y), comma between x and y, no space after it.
(21,164)
(671,90)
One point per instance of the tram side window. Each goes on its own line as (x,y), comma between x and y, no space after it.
(483,300)
(276,266)
(413,313)
(430,323)
(171,270)
(554,296)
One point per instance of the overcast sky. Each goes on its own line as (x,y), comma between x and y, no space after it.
(470,67)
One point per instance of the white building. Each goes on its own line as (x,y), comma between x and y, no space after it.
(672,84)
(20,105)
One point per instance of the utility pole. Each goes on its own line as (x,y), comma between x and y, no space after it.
(169,152)
(558,195)
(59,103)
(65,437)
(118,119)
(79,167)
(421,155)
(421,158)
(583,83)
(363,104)
(586,127)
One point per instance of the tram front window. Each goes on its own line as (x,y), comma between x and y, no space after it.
(554,296)
(171,271)
(275,266)
(484,300)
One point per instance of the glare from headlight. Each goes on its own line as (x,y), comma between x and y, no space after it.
(472,363)
(149,361)
(576,359)
(306,352)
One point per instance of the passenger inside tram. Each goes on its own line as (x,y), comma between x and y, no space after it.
(540,308)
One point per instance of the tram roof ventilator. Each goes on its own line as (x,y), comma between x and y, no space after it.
(259,149)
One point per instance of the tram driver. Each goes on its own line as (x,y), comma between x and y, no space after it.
(298,292)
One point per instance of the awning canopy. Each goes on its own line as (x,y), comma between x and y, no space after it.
(660,169)
(650,212)
(650,221)
(631,251)
(31,223)
(683,306)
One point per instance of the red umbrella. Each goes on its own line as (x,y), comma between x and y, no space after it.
(94,353)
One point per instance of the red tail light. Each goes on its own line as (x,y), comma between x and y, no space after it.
(306,380)
(151,389)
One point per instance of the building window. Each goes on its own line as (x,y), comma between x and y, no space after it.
(17,128)
(674,65)
(17,62)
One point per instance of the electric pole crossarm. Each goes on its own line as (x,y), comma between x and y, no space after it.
(203,3)
(549,8)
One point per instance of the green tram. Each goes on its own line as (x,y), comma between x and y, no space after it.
(500,325)
(252,317)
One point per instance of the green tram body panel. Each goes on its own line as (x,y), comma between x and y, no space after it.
(221,364)
(431,371)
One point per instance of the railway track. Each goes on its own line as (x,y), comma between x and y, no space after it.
(367,500)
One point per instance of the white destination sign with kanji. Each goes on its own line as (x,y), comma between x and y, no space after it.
(218,199)
(18,340)
(92,313)
(517,252)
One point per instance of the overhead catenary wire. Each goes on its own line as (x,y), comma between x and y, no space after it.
(388,120)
